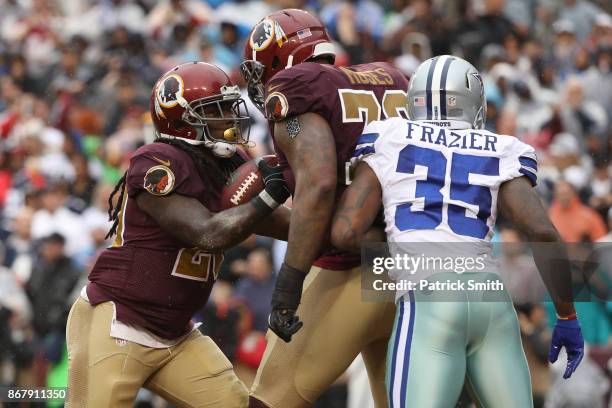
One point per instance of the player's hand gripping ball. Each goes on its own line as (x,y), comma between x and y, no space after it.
(246,182)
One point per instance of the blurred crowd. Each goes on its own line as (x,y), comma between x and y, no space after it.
(75,79)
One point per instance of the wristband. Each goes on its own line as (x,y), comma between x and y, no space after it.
(268,199)
(264,203)
(288,290)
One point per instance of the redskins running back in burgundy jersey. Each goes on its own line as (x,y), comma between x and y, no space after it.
(131,327)
(155,282)
(348,98)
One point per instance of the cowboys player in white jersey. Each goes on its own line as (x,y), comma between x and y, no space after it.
(441,179)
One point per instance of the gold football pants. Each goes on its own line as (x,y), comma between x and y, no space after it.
(107,372)
(337,327)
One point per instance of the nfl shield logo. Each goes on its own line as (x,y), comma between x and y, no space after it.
(419,101)
(452,101)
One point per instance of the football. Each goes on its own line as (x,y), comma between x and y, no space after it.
(244,183)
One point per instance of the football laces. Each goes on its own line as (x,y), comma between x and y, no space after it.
(244,186)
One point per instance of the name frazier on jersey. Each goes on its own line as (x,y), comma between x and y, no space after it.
(448,138)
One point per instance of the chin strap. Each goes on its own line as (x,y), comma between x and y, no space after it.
(221,149)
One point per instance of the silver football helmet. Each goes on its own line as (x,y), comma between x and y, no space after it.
(447,88)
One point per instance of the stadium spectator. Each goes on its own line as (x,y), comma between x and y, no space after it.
(357,25)
(481,23)
(608,236)
(92,19)
(565,46)
(418,16)
(583,15)
(20,242)
(596,79)
(575,221)
(586,120)
(53,279)
(601,188)
(54,216)
(257,286)
(169,14)
(222,318)
(82,188)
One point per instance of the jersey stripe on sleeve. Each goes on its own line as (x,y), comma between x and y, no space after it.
(363,151)
(367,138)
(365,145)
(529,168)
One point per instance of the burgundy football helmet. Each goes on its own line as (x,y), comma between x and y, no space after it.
(279,41)
(187,100)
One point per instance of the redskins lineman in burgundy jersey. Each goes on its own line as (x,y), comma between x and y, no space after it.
(132,327)
(347,98)
(316,114)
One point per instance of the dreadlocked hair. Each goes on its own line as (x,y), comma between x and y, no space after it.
(214,171)
(113,211)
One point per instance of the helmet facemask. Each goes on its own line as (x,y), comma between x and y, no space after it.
(212,112)
(481,117)
(253,71)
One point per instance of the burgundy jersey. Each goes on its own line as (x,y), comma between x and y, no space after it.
(348,98)
(154,281)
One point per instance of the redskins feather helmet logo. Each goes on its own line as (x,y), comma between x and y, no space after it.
(266,31)
(168,93)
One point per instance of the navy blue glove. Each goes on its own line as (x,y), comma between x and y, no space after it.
(567,334)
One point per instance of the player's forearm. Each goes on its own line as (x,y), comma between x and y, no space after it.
(346,235)
(188,221)
(375,234)
(520,204)
(353,223)
(310,216)
(550,255)
(228,228)
(276,225)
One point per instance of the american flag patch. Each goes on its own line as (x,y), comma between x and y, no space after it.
(419,101)
(304,33)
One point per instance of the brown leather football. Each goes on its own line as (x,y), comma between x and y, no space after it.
(244,183)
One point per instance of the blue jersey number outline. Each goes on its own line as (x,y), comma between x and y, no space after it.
(429,189)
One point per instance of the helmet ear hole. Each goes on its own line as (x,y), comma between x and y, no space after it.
(178,124)
(275,62)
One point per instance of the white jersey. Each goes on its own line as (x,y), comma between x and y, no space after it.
(440,184)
